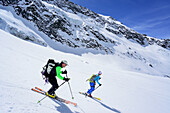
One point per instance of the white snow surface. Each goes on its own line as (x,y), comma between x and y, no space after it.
(122,91)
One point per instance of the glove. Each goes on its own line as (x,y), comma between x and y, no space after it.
(100,84)
(64,72)
(66,79)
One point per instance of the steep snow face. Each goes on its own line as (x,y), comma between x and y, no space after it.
(77,27)
(16,27)
(150,57)
(122,90)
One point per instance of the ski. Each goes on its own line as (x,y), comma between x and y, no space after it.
(38,90)
(90,97)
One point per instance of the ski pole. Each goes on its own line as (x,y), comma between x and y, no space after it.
(62,83)
(42,99)
(97,87)
(46,95)
(70,88)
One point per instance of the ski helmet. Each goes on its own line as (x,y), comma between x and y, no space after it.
(65,62)
(99,72)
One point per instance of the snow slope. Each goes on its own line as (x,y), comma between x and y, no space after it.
(122,91)
(147,59)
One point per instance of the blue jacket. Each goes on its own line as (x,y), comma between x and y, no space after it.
(97,78)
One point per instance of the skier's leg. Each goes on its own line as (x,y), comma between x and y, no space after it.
(91,89)
(53,82)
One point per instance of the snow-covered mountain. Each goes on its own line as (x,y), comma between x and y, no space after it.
(70,28)
(75,26)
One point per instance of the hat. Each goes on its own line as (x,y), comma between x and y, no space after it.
(99,72)
(64,61)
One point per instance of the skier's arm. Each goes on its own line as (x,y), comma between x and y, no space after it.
(87,80)
(58,71)
(97,79)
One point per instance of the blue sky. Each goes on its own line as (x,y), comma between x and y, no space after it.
(151,17)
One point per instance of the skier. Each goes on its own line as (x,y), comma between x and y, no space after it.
(56,71)
(93,79)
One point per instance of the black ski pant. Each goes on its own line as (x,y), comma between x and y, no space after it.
(53,82)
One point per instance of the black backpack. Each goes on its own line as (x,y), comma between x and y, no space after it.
(49,68)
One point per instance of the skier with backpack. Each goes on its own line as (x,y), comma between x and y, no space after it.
(92,80)
(50,71)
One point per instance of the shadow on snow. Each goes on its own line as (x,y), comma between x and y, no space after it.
(106,106)
(62,108)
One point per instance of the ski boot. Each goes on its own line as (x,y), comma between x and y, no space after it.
(51,95)
(90,95)
(87,94)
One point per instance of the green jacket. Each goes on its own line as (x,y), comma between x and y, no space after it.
(59,72)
